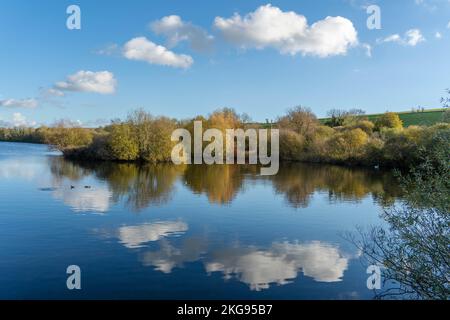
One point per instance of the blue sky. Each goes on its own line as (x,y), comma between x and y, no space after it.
(258,65)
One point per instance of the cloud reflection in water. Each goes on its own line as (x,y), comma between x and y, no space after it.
(278,264)
(137,236)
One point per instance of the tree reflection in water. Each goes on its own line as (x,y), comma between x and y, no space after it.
(151,184)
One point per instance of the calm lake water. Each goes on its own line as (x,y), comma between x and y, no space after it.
(182,232)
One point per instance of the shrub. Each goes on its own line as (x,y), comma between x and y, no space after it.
(347,145)
(67,138)
(389,120)
(365,125)
(122,143)
(402,147)
(292,145)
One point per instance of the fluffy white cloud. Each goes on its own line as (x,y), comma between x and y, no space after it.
(17,120)
(411,38)
(19,103)
(438,35)
(137,236)
(143,49)
(102,82)
(288,32)
(280,263)
(177,30)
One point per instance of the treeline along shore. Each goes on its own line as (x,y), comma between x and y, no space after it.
(346,137)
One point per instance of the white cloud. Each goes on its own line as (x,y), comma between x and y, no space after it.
(280,264)
(17,120)
(137,236)
(392,38)
(54,92)
(177,30)
(19,103)
(438,35)
(288,32)
(108,50)
(411,38)
(368,49)
(143,49)
(68,123)
(102,82)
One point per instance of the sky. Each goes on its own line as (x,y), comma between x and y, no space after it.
(185,58)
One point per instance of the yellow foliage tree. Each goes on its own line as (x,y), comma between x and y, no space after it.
(122,143)
(389,120)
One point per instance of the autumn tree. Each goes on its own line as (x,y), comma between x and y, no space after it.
(65,136)
(301,120)
(122,143)
(389,120)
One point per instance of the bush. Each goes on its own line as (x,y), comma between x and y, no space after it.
(122,143)
(374,152)
(292,145)
(64,138)
(365,125)
(389,120)
(347,145)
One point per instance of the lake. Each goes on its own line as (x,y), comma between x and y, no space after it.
(183,232)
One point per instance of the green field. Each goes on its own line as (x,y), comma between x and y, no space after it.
(427,117)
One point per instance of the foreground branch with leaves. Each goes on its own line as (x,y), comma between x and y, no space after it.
(414,246)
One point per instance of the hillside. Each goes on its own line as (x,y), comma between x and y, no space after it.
(427,117)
